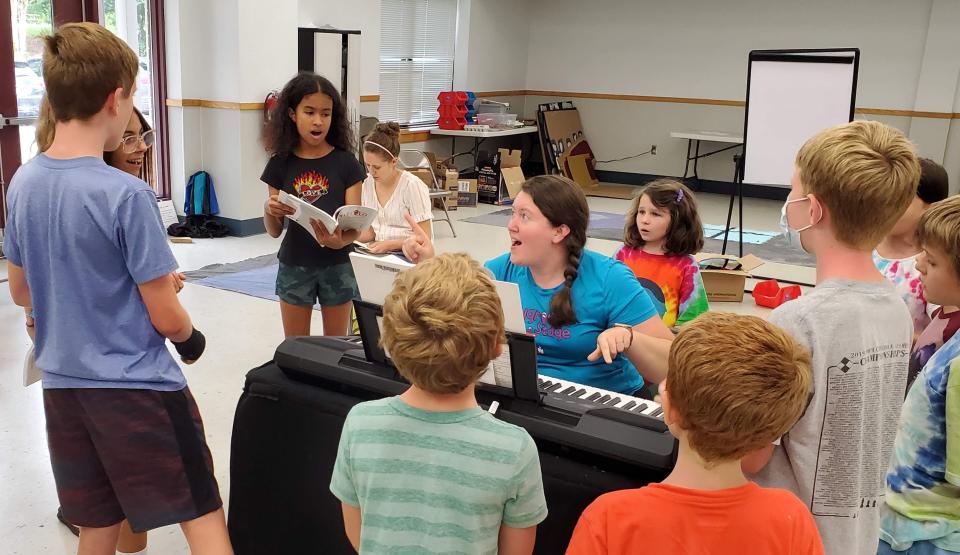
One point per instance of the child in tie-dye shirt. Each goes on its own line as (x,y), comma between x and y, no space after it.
(922,512)
(661,234)
(896,255)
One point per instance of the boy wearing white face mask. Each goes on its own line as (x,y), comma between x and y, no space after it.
(851,184)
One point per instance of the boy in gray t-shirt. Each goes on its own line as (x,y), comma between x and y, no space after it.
(851,184)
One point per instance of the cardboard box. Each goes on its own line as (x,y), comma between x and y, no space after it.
(442,184)
(499,181)
(439,167)
(467,192)
(727,285)
(427,177)
(452,184)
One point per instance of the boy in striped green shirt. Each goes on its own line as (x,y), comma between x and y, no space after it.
(429,471)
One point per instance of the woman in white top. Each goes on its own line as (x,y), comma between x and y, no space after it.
(392,191)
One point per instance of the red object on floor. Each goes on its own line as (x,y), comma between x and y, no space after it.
(769,293)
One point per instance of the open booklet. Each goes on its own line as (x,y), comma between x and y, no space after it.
(365,249)
(348,217)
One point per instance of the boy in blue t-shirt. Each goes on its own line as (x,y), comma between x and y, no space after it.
(922,511)
(87,251)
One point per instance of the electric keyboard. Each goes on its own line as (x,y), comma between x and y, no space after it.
(588,419)
(574,395)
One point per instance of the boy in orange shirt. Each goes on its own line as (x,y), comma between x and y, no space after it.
(719,409)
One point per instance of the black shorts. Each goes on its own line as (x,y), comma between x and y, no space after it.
(129,453)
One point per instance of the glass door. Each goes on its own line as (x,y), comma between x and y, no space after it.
(32,19)
(134,21)
(23,23)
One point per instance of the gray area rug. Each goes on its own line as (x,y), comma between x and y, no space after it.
(232,267)
(256,277)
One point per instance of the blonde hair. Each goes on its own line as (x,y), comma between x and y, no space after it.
(737,383)
(442,323)
(46,126)
(940,226)
(865,173)
(82,64)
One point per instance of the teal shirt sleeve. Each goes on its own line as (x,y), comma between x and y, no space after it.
(527,506)
(498,266)
(696,303)
(952,467)
(341,482)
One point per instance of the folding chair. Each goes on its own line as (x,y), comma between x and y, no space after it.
(416,160)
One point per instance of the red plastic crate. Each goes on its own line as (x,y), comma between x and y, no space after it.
(452,110)
(769,293)
(453,97)
(451,122)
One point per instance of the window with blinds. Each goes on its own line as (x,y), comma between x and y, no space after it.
(417,39)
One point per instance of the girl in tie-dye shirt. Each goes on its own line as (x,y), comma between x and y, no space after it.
(896,255)
(661,234)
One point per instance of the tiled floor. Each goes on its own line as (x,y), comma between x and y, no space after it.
(242,332)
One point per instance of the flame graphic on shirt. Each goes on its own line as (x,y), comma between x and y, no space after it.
(311,185)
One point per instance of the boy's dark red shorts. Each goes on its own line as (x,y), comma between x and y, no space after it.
(129,453)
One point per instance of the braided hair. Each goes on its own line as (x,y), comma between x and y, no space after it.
(562,202)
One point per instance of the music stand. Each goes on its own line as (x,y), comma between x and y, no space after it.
(522,347)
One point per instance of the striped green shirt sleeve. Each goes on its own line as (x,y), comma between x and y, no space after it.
(527,506)
(341,483)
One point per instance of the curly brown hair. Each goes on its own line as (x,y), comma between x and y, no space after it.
(281,136)
(685,235)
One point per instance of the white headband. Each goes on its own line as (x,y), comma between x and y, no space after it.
(381,147)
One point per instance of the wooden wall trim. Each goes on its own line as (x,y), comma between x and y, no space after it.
(218,104)
(414,136)
(703,101)
(638,98)
(224,105)
(906,113)
(490,94)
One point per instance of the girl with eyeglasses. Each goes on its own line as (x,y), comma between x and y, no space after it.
(134,155)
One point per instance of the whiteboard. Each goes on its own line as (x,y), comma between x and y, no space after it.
(791,96)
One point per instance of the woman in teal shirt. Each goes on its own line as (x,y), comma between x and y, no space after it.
(584,308)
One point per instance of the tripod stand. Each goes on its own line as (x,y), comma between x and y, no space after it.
(736,190)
